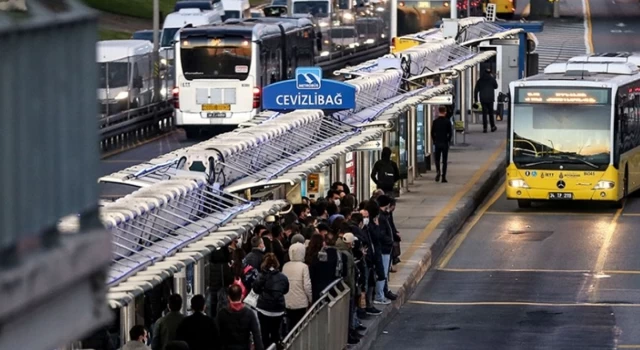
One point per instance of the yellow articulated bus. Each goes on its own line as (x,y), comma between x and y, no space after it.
(574,132)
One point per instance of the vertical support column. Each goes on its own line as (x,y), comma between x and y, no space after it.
(198,278)
(411,135)
(127,320)
(427,129)
(393,4)
(180,287)
(469,96)
(366,171)
(456,103)
(464,88)
(474,78)
(342,168)
(454,9)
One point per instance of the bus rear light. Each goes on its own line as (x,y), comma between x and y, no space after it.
(256,98)
(176,97)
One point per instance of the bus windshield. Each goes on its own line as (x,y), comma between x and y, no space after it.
(227,57)
(167,36)
(547,130)
(314,8)
(113,75)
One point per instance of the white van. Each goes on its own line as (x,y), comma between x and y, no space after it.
(240,9)
(193,16)
(125,80)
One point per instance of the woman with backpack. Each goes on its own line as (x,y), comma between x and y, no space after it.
(271,287)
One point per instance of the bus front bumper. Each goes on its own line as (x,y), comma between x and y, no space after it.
(536,194)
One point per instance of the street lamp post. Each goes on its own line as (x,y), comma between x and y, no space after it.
(454,9)
(156,49)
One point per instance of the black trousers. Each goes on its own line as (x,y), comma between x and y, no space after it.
(442,152)
(487,112)
(293,317)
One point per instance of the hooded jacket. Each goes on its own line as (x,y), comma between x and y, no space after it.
(385,172)
(299,295)
(271,287)
(236,323)
(485,88)
(346,252)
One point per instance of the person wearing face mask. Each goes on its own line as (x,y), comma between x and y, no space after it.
(363,255)
(376,233)
(138,341)
(333,196)
(386,243)
(254,258)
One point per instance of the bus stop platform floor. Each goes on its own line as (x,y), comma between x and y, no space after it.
(431,213)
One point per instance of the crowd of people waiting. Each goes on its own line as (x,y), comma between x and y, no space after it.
(261,287)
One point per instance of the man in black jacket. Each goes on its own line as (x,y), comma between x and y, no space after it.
(237,324)
(485,92)
(386,245)
(441,136)
(198,330)
(327,266)
(385,172)
(257,253)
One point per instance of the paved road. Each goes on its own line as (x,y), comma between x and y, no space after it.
(137,155)
(616,25)
(551,277)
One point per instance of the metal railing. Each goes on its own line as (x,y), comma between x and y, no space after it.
(326,323)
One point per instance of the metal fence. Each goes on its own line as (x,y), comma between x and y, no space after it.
(326,325)
(133,82)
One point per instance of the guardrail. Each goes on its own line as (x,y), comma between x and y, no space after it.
(135,125)
(325,325)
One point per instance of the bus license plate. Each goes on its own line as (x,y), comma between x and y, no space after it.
(216,115)
(561,195)
(220,107)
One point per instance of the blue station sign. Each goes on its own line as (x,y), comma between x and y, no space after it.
(308,91)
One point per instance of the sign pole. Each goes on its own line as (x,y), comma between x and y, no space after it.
(454,9)
(156,49)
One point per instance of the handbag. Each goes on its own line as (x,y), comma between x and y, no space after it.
(251,299)
(396,249)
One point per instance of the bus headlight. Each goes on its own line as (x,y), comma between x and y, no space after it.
(518,183)
(122,95)
(604,185)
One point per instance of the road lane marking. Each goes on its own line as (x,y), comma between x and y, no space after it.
(588,27)
(604,252)
(631,214)
(512,270)
(433,224)
(515,303)
(461,236)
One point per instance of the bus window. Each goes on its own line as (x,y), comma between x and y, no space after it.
(215,58)
(167,36)
(314,8)
(230,14)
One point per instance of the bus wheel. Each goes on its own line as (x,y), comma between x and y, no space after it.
(192,132)
(524,203)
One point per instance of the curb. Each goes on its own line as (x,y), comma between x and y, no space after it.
(450,227)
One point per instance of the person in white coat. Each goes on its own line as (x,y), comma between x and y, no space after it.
(299,297)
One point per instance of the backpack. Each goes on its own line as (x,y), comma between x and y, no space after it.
(386,172)
(250,275)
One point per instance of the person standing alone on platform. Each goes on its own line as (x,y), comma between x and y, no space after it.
(441,136)
(485,92)
(385,172)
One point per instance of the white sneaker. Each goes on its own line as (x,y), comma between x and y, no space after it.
(384,301)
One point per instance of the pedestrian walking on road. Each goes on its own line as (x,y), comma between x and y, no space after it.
(485,92)
(441,136)
(385,172)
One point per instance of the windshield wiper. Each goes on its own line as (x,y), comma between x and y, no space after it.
(581,160)
(538,163)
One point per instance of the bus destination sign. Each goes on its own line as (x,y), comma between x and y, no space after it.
(534,95)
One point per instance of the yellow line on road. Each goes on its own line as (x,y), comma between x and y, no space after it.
(631,214)
(433,224)
(512,270)
(465,231)
(515,303)
(587,12)
(628,346)
(604,252)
